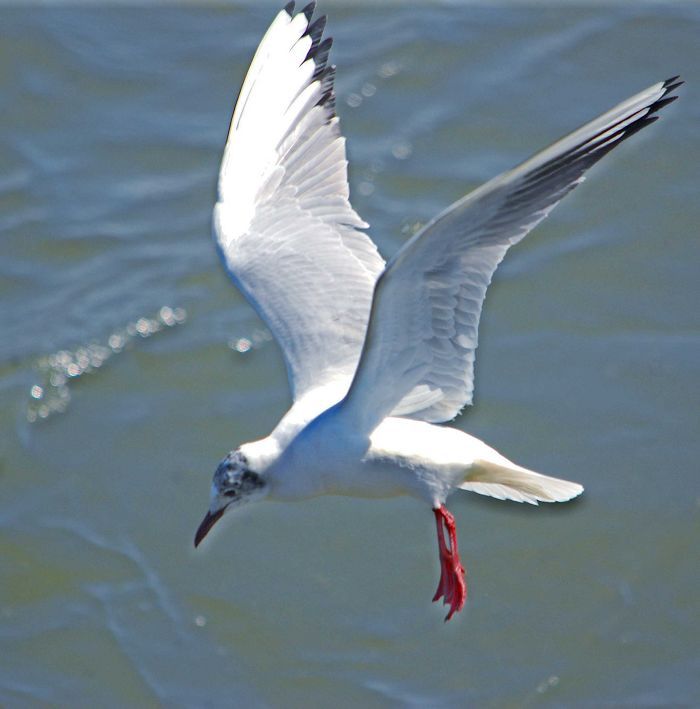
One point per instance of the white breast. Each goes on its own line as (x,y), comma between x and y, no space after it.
(402,457)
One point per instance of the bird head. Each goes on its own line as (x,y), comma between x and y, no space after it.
(233,485)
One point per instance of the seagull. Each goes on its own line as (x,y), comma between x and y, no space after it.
(377,354)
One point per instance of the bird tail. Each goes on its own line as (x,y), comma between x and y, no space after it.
(507,481)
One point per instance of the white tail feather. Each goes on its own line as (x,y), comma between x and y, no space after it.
(506,481)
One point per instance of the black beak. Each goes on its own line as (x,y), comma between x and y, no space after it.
(207,523)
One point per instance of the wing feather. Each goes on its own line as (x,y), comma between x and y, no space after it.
(418,358)
(283,221)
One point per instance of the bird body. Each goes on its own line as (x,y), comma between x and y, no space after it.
(378,355)
(401,457)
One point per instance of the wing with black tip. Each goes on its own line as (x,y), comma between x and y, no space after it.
(418,359)
(283,221)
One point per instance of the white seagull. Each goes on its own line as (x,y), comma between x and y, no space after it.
(376,353)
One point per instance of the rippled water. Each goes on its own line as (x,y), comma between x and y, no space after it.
(115,309)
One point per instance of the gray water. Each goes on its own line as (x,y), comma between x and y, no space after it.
(129,365)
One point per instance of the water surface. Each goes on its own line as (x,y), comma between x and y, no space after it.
(111,126)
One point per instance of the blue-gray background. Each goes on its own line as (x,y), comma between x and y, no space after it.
(115,411)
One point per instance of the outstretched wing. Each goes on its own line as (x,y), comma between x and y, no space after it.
(418,359)
(287,232)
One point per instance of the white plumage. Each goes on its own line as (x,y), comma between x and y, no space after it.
(376,355)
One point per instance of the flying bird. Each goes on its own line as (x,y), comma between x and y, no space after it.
(377,353)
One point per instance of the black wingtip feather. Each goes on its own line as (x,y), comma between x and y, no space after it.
(673,83)
(669,85)
(309,10)
(320,56)
(318,51)
(595,147)
(658,105)
(315,31)
(636,127)
(328,102)
(327,78)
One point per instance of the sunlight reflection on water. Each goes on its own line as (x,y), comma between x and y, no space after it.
(51,393)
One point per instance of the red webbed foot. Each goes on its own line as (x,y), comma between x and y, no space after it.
(452,587)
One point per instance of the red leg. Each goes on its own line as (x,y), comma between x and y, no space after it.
(452,586)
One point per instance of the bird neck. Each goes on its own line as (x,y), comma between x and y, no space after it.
(262,454)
